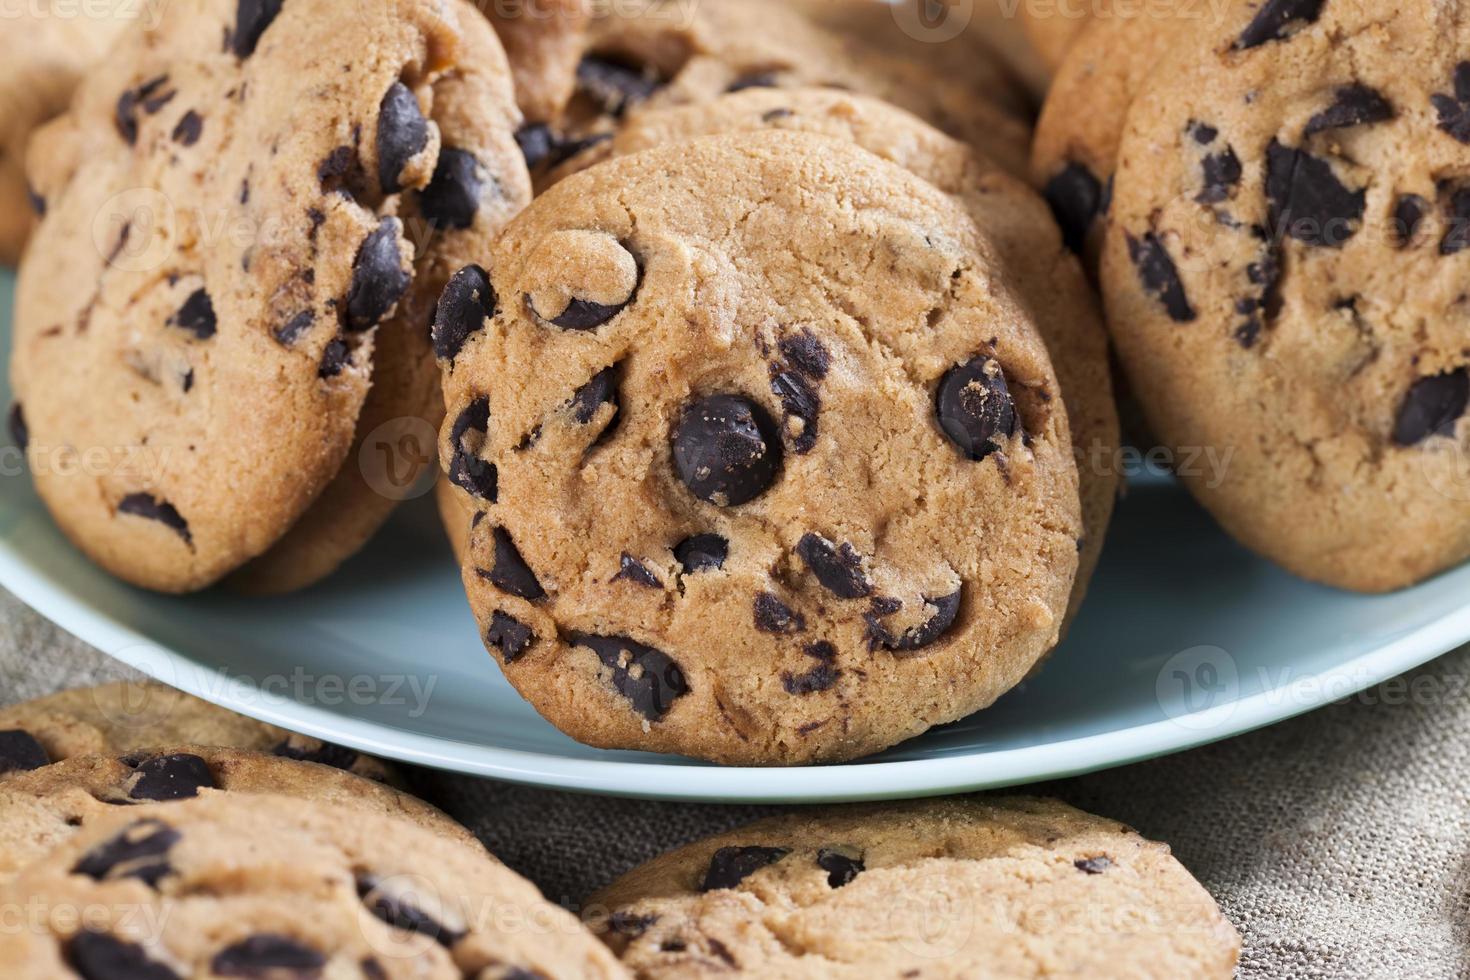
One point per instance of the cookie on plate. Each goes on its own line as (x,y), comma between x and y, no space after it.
(43,807)
(1010,887)
(479,183)
(265,886)
(194,322)
(1284,274)
(125,717)
(45,49)
(1047,279)
(774,467)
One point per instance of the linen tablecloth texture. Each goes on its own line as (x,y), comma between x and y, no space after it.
(1338,843)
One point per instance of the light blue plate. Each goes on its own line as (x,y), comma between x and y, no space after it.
(1185,639)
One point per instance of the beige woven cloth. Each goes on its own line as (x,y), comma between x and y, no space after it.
(1338,843)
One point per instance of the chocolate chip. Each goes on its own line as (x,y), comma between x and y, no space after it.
(1221,175)
(630,924)
(583,314)
(1432,407)
(151,508)
(1271,21)
(1352,105)
(946,608)
(126,115)
(1306,200)
(726,450)
(464,306)
(1408,212)
(1202,133)
(758,79)
(400,913)
(650,679)
(189,129)
(601,390)
(268,955)
(466,469)
(731,865)
(615,85)
(803,407)
(1093,865)
(511,573)
(511,636)
(702,553)
(805,353)
(1457,222)
(290,331)
(322,753)
(774,616)
(37,202)
(1157,273)
(1454,110)
(20,752)
(20,433)
(171,777)
(334,169)
(378,277)
(252,17)
(633,570)
(1075,196)
(545,149)
(974,407)
(335,357)
(453,196)
(140,851)
(841,869)
(98,956)
(402,135)
(820,677)
(196,315)
(838,568)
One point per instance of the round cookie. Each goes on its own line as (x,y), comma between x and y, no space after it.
(264,886)
(45,49)
(43,807)
(124,717)
(1047,279)
(479,184)
(950,888)
(194,322)
(1284,274)
(773,464)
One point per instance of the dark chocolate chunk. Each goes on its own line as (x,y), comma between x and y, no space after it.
(400,913)
(1221,175)
(99,956)
(650,679)
(615,85)
(1075,196)
(1093,865)
(20,752)
(726,450)
(841,868)
(1202,133)
(252,17)
(139,851)
(1457,222)
(147,506)
(464,306)
(335,168)
(466,469)
(509,635)
(290,331)
(731,865)
(805,354)
(803,408)
(335,357)
(171,777)
(946,609)
(189,129)
(268,956)
(774,616)
(453,196)
(1159,276)
(511,573)
(1305,199)
(1454,110)
(974,407)
(20,433)
(1352,105)
(1408,211)
(702,553)
(1432,407)
(378,277)
(601,390)
(1274,18)
(545,149)
(402,135)
(196,315)
(633,570)
(838,568)
(126,115)
(322,753)
(820,677)
(584,314)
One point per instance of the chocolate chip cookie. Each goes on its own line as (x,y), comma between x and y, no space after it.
(1284,275)
(43,807)
(1047,278)
(955,888)
(123,718)
(194,324)
(263,886)
(773,466)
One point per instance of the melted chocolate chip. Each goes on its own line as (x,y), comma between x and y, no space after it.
(128,104)
(1408,212)
(378,277)
(1305,199)
(802,405)
(98,956)
(400,913)
(1454,110)
(806,354)
(588,399)
(1352,105)
(841,869)
(335,357)
(726,450)
(650,679)
(702,553)
(820,677)
(1457,222)
(510,636)
(140,851)
(453,196)
(196,315)
(466,469)
(402,135)
(1274,18)
(268,955)
(511,573)
(838,568)
(20,433)
(20,752)
(322,753)
(1432,407)
(615,85)
(1159,276)
(171,777)
(1221,175)
(1093,865)
(946,609)
(633,570)
(252,17)
(189,129)
(974,407)
(466,303)
(774,616)
(1075,196)
(731,865)
(151,508)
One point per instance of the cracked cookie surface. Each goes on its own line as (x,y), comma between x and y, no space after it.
(773,466)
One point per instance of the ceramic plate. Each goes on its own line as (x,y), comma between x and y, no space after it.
(1185,638)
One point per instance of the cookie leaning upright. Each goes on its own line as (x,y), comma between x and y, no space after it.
(194,322)
(773,466)
(1284,277)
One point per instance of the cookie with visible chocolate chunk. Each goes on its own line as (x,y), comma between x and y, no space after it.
(1046,277)
(126,717)
(966,887)
(774,466)
(1283,273)
(41,808)
(265,886)
(195,319)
